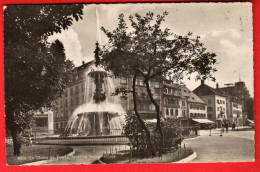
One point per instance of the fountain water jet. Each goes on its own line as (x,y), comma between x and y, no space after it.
(102,113)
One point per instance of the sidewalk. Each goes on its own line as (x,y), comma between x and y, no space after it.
(231,147)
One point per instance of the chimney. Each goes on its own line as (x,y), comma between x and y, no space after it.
(202,82)
(83,62)
(217,86)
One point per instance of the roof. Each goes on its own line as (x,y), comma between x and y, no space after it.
(203,121)
(191,97)
(171,85)
(204,90)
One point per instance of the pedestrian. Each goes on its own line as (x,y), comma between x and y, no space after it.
(226,125)
(233,126)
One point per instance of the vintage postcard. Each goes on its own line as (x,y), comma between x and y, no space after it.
(129,83)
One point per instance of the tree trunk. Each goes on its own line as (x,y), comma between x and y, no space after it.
(157,112)
(16,142)
(148,134)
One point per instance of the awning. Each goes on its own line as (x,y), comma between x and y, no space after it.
(250,121)
(203,121)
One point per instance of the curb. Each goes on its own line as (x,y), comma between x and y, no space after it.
(187,159)
(48,160)
(192,138)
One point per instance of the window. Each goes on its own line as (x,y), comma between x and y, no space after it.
(224,109)
(191,115)
(82,87)
(167,111)
(220,101)
(77,100)
(217,108)
(176,112)
(210,109)
(71,91)
(66,113)
(191,106)
(224,102)
(82,99)
(71,101)
(61,103)
(183,112)
(166,90)
(183,103)
(172,112)
(209,101)
(77,90)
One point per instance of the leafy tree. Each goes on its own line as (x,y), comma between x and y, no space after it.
(249,108)
(35,71)
(147,50)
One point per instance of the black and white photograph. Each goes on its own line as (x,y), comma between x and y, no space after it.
(129,83)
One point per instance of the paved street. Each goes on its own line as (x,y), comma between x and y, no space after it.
(234,146)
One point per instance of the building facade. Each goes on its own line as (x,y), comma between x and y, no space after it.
(216,103)
(175,100)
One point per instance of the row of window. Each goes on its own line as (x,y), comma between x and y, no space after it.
(62,113)
(60,125)
(172,112)
(197,106)
(218,101)
(197,115)
(75,91)
(171,101)
(221,101)
(73,101)
(221,109)
(140,82)
(170,90)
(145,107)
(210,109)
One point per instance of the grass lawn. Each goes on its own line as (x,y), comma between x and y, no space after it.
(124,157)
(35,153)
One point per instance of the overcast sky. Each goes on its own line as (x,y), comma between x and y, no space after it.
(225,29)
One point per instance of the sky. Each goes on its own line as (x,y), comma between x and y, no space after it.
(224,28)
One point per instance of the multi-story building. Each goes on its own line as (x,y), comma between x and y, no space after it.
(172,101)
(196,108)
(235,112)
(237,96)
(216,103)
(75,95)
(176,101)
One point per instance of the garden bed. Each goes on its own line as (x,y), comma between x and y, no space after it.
(125,157)
(35,153)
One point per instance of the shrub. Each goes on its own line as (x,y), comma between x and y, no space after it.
(137,136)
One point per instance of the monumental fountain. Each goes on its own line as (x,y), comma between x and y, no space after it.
(102,113)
